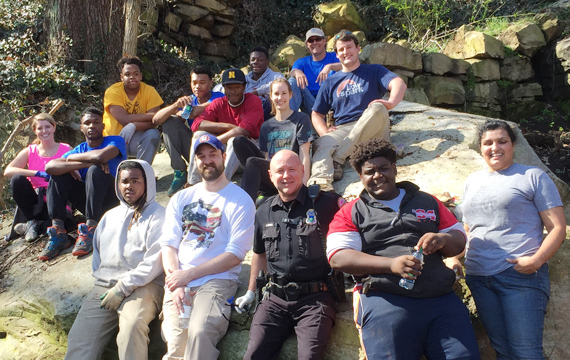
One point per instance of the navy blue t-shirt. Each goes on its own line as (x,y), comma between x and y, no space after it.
(116,141)
(349,93)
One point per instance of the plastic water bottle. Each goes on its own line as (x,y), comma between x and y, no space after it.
(407,283)
(186,113)
(184,317)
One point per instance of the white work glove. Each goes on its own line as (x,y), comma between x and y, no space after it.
(112,299)
(243,301)
(128,132)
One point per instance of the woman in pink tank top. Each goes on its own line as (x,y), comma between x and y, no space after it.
(28,177)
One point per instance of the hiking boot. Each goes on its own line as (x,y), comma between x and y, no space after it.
(57,241)
(178,182)
(338,170)
(33,230)
(84,243)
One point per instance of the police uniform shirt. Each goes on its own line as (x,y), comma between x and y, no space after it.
(289,235)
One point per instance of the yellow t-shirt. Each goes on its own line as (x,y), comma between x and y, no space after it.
(146,99)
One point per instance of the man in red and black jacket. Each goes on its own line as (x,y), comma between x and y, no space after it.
(373,237)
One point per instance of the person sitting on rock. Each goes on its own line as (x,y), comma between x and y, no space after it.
(404,306)
(206,234)
(29,180)
(129,107)
(238,113)
(288,244)
(177,136)
(127,268)
(355,96)
(85,176)
(308,73)
(287,129)
(260,77)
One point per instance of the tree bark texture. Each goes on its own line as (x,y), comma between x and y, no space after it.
(87,34)
(132,14)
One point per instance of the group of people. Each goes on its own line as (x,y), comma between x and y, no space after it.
(187,257)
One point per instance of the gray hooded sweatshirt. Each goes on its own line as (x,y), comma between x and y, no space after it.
(130,258)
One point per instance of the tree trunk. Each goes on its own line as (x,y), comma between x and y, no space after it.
(132,14)
(87,34)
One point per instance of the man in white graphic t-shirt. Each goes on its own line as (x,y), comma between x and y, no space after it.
(206,234)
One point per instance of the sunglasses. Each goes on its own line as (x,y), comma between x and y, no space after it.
(342,34)
(313,39)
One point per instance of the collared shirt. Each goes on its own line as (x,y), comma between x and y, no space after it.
(290,237)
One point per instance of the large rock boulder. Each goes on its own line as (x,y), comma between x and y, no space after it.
(190,12)
(441,90)
(485,69)
(360,36)
(516,68)
(549,24)
(441,64)
(40,300)
(475,45)
(392,56)
(292,49)
(525,38)
(338,15)
(486,92)
(525,90)
(563,53)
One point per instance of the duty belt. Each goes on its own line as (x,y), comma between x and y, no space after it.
(291,291)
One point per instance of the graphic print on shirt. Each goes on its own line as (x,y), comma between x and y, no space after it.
(348,87)
(133,108)
(279,140)
(202,220)
(422,214)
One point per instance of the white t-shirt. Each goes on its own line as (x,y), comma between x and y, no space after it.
(203,225)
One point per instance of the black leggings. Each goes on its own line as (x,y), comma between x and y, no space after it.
(255,168)
(27,199)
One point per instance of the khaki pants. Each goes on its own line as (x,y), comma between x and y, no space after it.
(337,145)
(208,322)
(94,327)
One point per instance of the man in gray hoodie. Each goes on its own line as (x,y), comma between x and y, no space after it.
(127,268)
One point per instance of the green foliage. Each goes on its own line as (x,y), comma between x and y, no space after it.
(504,84)
(270,23)
(167,68)
(420,17)
(27,78)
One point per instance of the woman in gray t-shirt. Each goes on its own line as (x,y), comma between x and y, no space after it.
(506,208)
(287,129)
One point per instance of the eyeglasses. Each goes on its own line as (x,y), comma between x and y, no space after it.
(313,39)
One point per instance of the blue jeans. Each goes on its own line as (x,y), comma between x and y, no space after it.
(401,327)
(512,308)
(302,98)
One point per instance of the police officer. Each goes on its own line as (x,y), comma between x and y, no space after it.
(288,245)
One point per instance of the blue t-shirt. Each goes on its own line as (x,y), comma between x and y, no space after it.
(312,69)
(289,134)
(215,95)
(349,93)
(116,141)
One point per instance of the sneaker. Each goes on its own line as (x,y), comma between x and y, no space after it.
(84,243)
(57,241)
(20,228)
(338,170)
(33,230)
(178,182)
